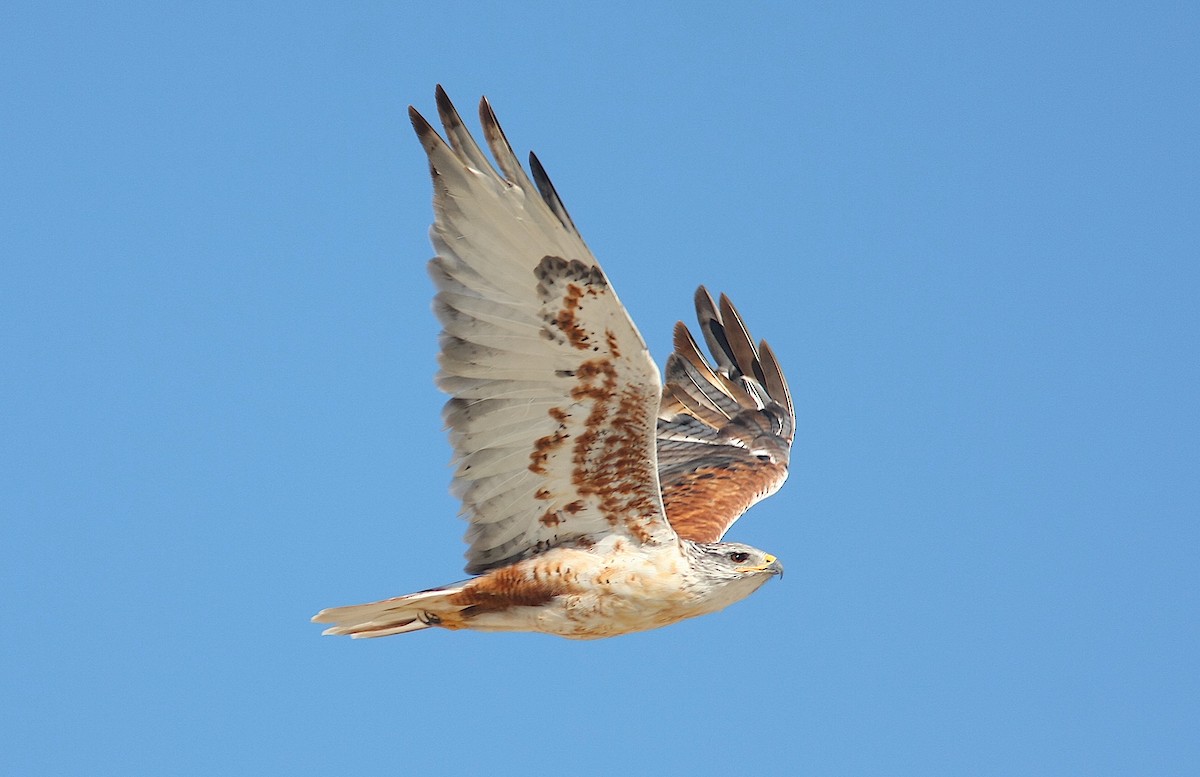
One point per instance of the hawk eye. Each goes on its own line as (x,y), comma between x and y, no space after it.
(739,557)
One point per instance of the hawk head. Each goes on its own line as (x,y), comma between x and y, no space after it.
(726,572)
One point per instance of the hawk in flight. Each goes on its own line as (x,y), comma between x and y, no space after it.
(597,494)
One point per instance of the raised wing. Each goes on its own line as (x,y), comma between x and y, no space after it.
(554,395)
(725,431)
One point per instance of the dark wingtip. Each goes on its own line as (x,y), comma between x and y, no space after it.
(549,193)
(538,171)
(422,127)
(447,112)
(487,117)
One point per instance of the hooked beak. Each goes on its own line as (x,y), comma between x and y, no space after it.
(770,564)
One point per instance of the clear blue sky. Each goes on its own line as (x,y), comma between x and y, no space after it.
(972,236)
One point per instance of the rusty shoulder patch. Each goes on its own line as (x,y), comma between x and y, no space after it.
(702,504)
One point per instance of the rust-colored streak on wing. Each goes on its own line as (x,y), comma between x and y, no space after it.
(614,346)
(613,467)
(703,504)
(609,458)
(543,447)
(567,319)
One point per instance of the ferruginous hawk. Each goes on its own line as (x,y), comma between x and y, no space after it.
(597,495)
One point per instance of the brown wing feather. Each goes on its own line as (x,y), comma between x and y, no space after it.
(724,431)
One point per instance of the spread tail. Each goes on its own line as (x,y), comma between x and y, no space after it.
(392,616)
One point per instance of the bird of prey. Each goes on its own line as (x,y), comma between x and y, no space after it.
(597,494)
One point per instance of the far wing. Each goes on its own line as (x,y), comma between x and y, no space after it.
(554,395)
(725,431)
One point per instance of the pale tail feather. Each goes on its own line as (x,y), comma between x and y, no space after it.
(391,616)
